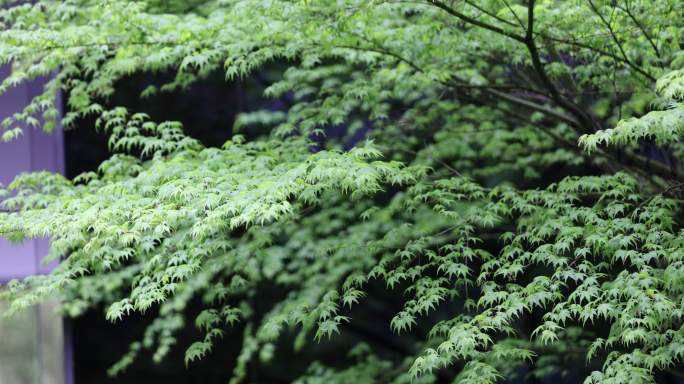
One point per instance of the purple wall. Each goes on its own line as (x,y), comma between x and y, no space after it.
(33,151)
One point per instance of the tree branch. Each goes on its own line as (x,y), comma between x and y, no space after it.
(490,14)
(600,51)
(586,124)
(514,14)
(533,106)
(610,30)
(475,22)
(642,29)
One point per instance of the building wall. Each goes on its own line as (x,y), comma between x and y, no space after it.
(34,349)
(33,151)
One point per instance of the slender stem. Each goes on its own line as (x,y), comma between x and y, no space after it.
(490,14)
(586,124)
(610,30)
(476,22)
(599,51)
(642,29)
(489,89)
(514,14)
(533,106)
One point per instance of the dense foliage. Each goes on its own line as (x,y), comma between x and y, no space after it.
(511,209)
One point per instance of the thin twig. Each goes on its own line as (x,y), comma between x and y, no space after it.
(643,30)
(514,14)
(476,22)
(611,31)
